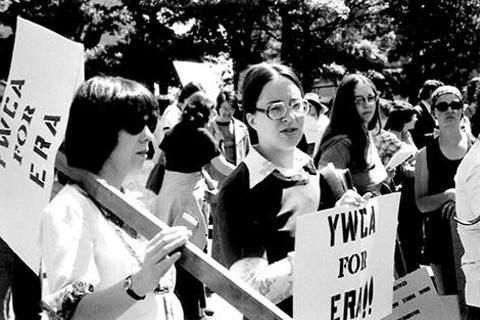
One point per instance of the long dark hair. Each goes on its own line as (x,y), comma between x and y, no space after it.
(345,119)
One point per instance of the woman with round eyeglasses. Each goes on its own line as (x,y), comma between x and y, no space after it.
(435,170)
(347,142)
(260,201)
(96,266)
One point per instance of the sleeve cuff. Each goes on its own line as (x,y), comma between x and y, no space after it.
(62,304)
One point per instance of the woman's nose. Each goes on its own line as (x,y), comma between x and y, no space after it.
(289,116)
(147,134)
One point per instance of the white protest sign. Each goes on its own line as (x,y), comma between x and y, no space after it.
(45,71)
(202,73)
(415,298)
(344,261)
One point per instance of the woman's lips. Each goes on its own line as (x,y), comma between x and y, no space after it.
(143,152)
(289,131)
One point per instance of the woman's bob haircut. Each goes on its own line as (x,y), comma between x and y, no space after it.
(101,108)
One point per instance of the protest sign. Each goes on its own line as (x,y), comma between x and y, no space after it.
(45,71)
(202,73)
(415,298)
(344,261)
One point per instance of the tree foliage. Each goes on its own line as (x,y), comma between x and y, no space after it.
(406,40)
(436,39)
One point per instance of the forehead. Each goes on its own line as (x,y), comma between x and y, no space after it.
(363,89)
(447,97)
(280,88)
(226,105)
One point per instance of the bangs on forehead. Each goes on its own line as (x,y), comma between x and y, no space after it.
(137,99)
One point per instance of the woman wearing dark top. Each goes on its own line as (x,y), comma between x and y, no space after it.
(435,170)
(260,201)
(188,147)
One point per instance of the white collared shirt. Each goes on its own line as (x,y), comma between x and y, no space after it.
(260,167)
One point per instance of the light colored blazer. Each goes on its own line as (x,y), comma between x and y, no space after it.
(242,139)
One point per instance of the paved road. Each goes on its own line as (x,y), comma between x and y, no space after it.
(223,310)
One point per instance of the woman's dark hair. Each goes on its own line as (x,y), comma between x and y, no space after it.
(228,96)
(472,90)
(256,77)
(189,89)
(428,87)
(401,113)
(101,107)
(345,119)
(197,110)
(473,96)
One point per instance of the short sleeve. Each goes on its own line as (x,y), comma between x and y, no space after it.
(337,152)
(165,141)
(67,244)
(208,146)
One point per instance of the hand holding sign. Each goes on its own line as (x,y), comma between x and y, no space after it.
(344,261)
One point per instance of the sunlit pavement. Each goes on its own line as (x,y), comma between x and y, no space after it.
(223,310)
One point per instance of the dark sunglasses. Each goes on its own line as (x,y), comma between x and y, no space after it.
(443,106)
(136,125)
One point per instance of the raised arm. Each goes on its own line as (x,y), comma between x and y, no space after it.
(112,302)
(73,274)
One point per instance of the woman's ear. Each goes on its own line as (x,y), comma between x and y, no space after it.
(251,120)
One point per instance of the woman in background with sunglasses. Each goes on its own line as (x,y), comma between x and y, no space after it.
(97,267)
(435,169)
(260,201)
(347,142)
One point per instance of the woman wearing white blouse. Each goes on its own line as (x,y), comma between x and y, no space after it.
(97,267)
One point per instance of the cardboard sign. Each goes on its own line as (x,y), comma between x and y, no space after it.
(202,73)
(344,261)
(415,298)
(46,69)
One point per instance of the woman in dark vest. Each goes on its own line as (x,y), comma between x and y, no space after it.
(435,170)
(276,183)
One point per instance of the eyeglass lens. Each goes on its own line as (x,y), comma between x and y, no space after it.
(278,110)
(362,100)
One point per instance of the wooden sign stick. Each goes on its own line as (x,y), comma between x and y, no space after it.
(248,301)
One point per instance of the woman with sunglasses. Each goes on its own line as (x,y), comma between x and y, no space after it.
(260,201)
(97,267)
(435,169)
(347,142)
